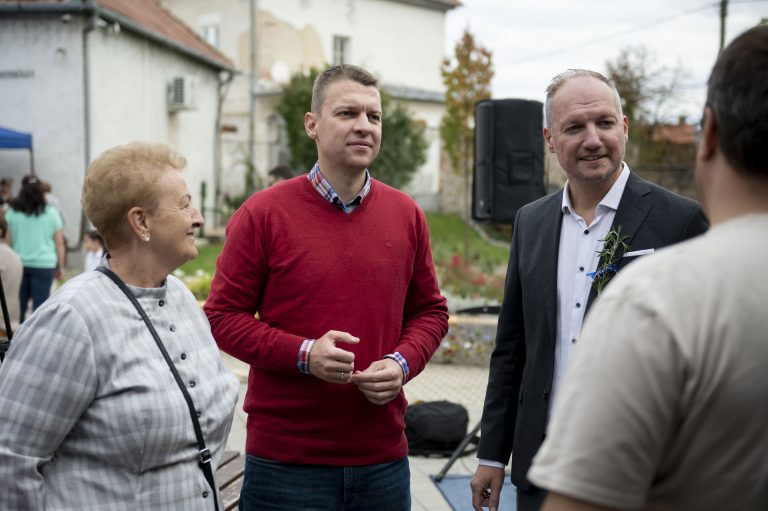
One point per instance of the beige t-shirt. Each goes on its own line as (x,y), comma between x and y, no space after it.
(665,403)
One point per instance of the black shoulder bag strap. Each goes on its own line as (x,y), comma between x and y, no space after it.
(5,344)
(205,454)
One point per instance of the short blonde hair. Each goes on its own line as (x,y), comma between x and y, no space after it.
(121,178)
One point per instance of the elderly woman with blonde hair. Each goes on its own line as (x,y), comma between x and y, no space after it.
(113,395)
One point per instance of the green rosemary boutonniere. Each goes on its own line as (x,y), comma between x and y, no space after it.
(606,265)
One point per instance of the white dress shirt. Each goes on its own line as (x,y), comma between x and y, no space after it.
(580,245)
(577,256)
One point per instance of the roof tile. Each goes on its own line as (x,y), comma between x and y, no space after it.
(150,16)
(154,17)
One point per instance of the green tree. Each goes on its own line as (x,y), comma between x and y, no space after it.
(251,184)
(296,101)
(403,145)
(647,90)
(404,142)
(649,93)
(467,78)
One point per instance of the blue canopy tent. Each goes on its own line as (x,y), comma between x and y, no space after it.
(10,139)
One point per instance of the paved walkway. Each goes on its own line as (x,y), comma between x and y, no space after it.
(459,384)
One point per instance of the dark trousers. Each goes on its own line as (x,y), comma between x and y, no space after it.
(531,499)
(270,485)
(35,284)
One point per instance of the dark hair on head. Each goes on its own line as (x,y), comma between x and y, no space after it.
(31,199)
(334,74)
(738,96)
(281,172)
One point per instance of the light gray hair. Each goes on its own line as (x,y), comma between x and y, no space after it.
(559,80)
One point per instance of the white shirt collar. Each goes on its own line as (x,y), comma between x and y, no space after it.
(610,200)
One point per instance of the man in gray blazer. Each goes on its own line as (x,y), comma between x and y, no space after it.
(555,271)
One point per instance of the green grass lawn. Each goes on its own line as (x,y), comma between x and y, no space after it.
(447,233)
(481,274)
(446,236)
(206,259)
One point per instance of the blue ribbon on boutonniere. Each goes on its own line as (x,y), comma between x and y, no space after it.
(611,268)
(613,245)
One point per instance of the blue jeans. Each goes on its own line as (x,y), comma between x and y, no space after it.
(270,485)
(36,284)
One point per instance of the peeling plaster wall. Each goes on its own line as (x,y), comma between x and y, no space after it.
(399,43)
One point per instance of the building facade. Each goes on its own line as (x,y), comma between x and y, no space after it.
(400,41)
(84,76)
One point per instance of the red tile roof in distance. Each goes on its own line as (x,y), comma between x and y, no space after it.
(155,18)
(680,134)
(448,3)
(443,5)
(146,15)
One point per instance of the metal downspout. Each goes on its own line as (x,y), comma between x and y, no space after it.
(225,78)
(89,6)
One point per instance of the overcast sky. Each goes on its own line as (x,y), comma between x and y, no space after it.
(532,40)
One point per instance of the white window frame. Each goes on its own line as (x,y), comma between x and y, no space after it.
(341,46)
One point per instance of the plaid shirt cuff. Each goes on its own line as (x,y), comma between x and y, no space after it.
(397,357)
(306,347)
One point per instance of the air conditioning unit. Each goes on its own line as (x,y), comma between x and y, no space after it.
(181,94)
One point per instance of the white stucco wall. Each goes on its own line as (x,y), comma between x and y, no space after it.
(425,185)
(383,36)
(48,103)
(130,75)
(399,43)
(128,80)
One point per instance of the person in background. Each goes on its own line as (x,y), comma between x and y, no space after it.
(552,277)
(339,268)
(50,198)
(11,271)
(6,185)
(279,173)
(90,414)
(35,231)
(94,250)
(665,404)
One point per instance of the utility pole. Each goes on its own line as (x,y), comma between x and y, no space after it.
(252,86)
(723,14)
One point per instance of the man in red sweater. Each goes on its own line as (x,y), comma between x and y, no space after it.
(339,269)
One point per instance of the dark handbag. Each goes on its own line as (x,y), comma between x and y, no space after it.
(205,454)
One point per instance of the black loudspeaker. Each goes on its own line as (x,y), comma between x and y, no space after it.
(509,158)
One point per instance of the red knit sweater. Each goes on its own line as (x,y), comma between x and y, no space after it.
(307,267)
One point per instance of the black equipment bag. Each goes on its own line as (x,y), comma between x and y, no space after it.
(435,428)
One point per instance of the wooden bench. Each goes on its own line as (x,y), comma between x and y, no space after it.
(229,478)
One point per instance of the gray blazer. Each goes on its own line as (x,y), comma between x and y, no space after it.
(522,365)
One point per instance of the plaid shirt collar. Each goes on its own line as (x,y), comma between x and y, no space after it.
(324,188)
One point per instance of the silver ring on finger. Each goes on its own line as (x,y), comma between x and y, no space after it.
(343,375)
